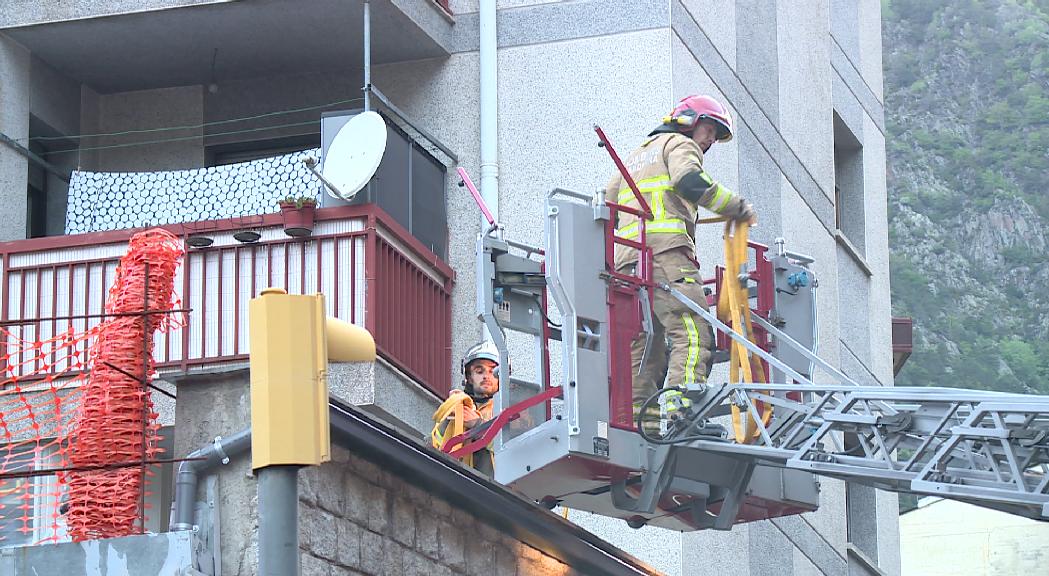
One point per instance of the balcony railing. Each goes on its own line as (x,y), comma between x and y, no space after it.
(902,342)
(372,272)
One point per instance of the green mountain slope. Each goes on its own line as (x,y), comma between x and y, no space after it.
(967,110)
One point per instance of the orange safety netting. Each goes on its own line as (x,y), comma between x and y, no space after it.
(35,417)
(84,411)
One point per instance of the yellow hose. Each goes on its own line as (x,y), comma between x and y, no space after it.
(733,308)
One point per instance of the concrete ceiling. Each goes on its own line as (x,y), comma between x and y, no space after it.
(175,47)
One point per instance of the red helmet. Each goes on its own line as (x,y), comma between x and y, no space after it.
(694,108)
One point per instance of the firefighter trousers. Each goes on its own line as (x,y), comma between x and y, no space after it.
(682,341)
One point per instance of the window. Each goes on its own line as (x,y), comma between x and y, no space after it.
(848,186)
(224,154)
(30,506)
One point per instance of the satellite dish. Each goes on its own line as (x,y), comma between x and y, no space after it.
(354,155)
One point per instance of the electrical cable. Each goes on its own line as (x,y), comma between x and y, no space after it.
(182,138)
(674,439)
(193,126)
(542,313)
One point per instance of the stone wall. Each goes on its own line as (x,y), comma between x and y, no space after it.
(356,518)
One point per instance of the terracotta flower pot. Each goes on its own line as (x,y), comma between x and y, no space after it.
(298,220)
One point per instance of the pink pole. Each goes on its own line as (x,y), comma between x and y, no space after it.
(477,195)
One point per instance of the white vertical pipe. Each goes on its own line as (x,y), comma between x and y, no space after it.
(367,56)
(489,93)
(489,109)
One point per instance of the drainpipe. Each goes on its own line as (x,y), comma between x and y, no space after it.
(489,94)
(489,109)
(219,451)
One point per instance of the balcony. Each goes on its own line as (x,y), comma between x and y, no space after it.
(125,46)
(372,272)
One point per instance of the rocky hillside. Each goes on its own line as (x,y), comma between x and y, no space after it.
(967,110)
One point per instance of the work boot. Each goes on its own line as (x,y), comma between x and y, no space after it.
(676,402)
(650,423)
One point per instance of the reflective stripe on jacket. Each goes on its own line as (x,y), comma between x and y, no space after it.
(658,167)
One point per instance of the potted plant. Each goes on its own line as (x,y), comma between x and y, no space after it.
(297,212)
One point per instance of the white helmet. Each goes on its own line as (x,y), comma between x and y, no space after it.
(482,351)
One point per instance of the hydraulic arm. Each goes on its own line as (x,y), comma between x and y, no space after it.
(988,448)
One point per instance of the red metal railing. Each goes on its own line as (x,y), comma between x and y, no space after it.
(902,334)
(371,271)
(409,306)
(902,342)
(624,312)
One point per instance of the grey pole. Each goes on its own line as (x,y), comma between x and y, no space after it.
(278,520)
(367,56)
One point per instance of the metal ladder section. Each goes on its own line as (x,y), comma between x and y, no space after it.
(986,448)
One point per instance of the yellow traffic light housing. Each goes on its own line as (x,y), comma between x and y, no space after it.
(289,347)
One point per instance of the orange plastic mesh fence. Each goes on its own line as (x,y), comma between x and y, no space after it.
(74,441)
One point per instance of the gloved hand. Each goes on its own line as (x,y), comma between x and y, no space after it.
(471,417)
(747,214)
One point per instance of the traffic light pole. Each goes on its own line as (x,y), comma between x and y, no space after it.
(278,520)
(291,343)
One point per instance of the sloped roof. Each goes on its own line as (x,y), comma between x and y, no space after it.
(493,503)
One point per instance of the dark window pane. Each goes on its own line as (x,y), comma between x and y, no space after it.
(390,186)
(429,217)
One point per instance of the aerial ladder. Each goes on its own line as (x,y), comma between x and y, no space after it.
(746,449)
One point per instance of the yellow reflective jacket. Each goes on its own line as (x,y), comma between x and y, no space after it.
(668,170)
(449,421)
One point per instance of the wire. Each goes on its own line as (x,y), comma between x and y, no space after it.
(193,126)
(542,313)
(183,138)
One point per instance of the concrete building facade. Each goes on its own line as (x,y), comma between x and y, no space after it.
(803,81)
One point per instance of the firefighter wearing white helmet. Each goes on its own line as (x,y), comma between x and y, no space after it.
(480,368)
(668,170)
(473,403)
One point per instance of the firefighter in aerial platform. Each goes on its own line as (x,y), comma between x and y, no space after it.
(668,171)
(471,406)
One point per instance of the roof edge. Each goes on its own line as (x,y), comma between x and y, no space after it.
(489,501)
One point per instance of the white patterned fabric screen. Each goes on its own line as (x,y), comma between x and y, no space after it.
(100,201)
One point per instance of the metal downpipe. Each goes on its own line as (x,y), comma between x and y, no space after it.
(219,451)
(488,45)
(489,95)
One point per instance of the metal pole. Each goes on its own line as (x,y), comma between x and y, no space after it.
(278,520)
(145,398)
(489,96)
(35,159)
(367,56)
